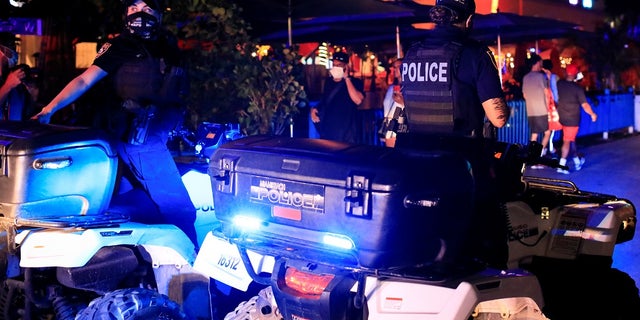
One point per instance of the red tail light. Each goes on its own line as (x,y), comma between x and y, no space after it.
(305,282)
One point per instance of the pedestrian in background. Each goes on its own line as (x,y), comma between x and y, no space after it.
(19,94)
(535,91)
(394,120)
(552,102)
(335,115)
(144,70)
(15,98)
(571,100)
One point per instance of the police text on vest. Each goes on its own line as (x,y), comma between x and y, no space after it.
(427,72)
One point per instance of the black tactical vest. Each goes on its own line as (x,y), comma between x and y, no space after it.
(427,80)
(140,80)
(148,80)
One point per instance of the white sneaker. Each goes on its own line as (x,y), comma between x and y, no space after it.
(579,164)
(563,171)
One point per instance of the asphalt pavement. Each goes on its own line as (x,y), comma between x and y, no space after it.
(612,166)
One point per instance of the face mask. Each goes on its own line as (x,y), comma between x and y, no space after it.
(337,72)
(142,25)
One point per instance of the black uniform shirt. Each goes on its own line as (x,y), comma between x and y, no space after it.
(139,69)
(115,55)
(123,48)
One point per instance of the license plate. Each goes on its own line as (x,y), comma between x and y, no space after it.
(219,259)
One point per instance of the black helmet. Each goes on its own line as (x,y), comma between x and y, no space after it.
(158,5)
(459,9)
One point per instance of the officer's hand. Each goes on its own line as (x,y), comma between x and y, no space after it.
(314,115)
(594,117)
(43,116)
(397,97)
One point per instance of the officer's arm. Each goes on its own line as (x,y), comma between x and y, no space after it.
(497,111)
(72,91)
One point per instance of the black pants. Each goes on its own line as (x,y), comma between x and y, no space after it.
(487,238)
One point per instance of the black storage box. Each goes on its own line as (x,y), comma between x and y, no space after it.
(397,208)
(54,172)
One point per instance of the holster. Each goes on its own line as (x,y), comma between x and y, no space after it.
(142,116)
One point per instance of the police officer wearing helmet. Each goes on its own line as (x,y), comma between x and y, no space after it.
(145,80)
(450,84)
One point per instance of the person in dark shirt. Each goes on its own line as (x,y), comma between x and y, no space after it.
(336,113)
(142,65)
(571,100)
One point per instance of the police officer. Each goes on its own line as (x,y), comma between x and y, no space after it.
(450,84)
(143,69)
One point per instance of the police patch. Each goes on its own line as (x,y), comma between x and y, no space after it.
(103,49)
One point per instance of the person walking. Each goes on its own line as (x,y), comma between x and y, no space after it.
(450,85)
(335,115)
(143,67)
(535,89)
(571,100)
(552,103)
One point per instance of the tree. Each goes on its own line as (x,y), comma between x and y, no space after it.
(230,82)
(615,48)
(273,92)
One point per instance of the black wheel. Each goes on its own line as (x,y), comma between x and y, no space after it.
(587,291)
(12,302)
(132,304)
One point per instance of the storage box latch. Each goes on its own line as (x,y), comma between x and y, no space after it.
(358,196)
(222,174)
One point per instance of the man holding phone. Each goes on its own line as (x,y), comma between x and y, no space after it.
(336,114)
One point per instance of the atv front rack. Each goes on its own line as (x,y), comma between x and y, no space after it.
(553,184)
(73,221)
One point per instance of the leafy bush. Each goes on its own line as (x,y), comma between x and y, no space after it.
(273,92)
(229,82)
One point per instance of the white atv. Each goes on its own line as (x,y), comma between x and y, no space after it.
(306,220)
(65,253)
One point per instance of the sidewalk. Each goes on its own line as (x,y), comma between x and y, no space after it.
(612,167)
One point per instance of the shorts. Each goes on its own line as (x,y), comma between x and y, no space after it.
(538,124)
(569,133)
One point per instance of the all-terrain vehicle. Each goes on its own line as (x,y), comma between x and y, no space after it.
(338,231)
(66,254)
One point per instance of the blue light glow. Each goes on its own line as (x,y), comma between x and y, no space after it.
(338,241)
(247,223)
